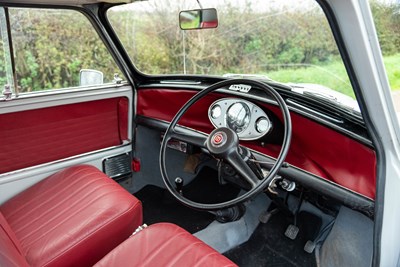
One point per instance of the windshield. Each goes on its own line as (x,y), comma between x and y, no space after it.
(286,41)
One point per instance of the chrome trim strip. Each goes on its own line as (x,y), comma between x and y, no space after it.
(69,90)
(47,164)
(179,82)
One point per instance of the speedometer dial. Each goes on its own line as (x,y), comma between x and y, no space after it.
(238,117)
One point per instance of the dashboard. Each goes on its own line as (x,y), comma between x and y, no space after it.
(248,120)
(318,153)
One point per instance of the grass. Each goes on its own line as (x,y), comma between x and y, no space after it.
(333,75)
(392,64)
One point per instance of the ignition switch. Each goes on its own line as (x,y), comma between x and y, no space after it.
(287,185)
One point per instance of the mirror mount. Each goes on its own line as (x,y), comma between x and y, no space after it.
(198,2)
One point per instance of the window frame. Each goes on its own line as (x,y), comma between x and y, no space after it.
(103,38)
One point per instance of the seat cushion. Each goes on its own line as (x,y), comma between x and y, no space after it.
(164,244)
(72,218)
(10,249)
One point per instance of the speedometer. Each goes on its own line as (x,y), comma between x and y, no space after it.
(238,117)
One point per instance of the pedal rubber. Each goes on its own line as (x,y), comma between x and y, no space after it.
(309,246)
(292,231)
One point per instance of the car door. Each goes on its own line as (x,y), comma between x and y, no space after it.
(64,102)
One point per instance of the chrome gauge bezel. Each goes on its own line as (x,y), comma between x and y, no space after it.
(250,131)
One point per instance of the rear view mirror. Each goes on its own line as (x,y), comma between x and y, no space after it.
(198,19)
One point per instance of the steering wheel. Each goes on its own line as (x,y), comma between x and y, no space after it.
(223,144)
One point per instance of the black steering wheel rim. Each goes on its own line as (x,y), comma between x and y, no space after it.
(264,182)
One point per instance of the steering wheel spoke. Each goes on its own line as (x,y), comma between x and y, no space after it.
(191,137)
(240,165)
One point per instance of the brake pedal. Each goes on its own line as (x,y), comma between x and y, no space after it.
(309,247)
(292,231)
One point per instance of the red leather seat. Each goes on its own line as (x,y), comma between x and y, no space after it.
(164,244)
(72,218)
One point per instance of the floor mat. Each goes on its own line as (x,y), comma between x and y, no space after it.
(268,246)
(160,206)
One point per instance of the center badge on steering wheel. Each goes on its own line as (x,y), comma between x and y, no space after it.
(219,139)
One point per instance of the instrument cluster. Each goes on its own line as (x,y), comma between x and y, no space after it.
(248,120)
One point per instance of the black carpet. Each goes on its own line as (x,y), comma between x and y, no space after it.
(160,206)
(268,246)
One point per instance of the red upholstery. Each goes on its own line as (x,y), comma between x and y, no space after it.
(72,218)
(10,250)
(164,244)
(62,131)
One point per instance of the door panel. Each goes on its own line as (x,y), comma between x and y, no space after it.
(33,137)
(43,133)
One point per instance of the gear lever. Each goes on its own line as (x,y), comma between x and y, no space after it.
(179,184)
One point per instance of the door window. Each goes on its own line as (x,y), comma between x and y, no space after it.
(56,49)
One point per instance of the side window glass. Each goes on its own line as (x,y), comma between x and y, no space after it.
(6,77)
(387,22)
(52,47)
(3,74)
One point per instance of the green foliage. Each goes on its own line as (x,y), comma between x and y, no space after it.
(329,75)
(3,75)
(333,70)
(392,64)
(387,23)
(51,47)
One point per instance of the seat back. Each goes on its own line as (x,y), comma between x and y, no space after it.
(10,250)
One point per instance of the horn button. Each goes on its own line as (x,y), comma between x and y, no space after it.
(222,141)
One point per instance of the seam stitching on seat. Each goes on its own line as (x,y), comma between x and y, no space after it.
(52,219)
(183,252)
(13,213)
(22,217)
(55,206)
(156,250)
(205,257)
(136,205)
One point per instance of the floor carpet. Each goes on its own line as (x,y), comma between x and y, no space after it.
(268,246)
(160,206)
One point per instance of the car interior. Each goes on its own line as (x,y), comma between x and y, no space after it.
(173,169)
